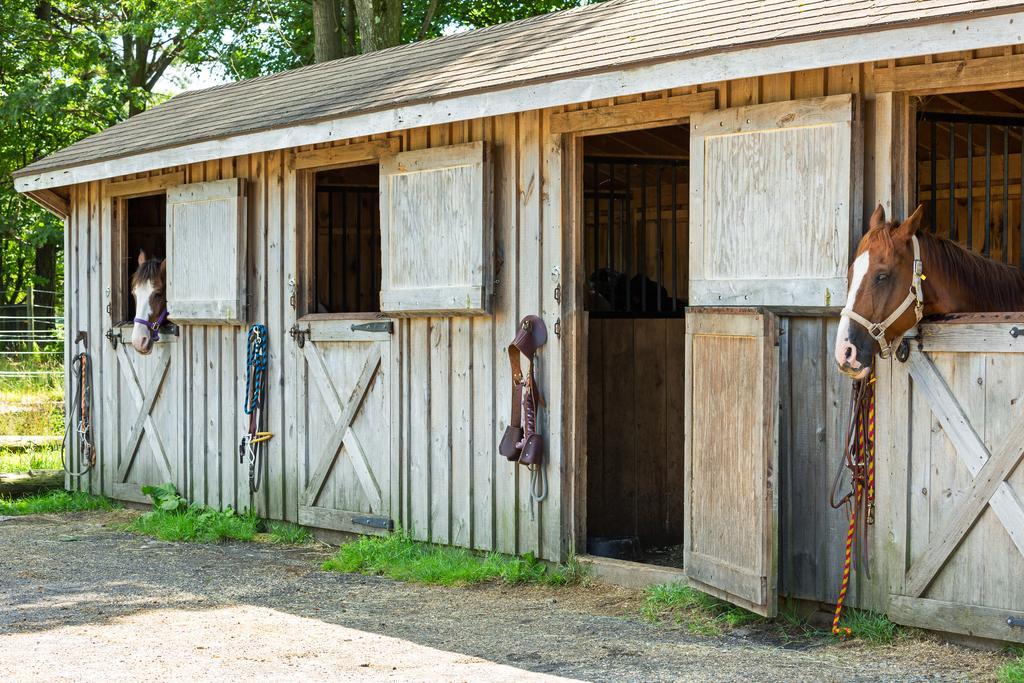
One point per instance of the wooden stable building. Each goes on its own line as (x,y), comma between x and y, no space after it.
(676,188)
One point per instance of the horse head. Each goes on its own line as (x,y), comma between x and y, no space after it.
(150,303)
(885,297)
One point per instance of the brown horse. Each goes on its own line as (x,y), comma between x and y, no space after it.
(150,302)
(887,298)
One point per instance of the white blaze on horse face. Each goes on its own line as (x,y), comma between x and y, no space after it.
(846,353)
(140,333)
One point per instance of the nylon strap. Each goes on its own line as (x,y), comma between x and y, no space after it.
(915,298)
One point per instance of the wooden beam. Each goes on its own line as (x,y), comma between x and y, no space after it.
(144,186)
(956,76)
(970,620)
(51,201)
(650,113)
(333,157)
(965,33)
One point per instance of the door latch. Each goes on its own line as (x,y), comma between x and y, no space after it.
(1015,622)
(1016,332)
(298,334)
(558,328)
(382,326)
(114,336)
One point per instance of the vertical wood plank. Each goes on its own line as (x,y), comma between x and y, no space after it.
(530,244)
(506,308)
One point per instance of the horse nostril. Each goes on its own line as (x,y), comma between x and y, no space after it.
(849,353)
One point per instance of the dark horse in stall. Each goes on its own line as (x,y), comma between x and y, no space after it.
(901,274)
(148,285)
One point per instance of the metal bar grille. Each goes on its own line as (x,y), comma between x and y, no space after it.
(347,277)
(633,244)
(976,199)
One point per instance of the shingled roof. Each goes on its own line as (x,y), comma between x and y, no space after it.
(586,40)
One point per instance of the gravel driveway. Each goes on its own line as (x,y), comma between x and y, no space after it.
(81,600)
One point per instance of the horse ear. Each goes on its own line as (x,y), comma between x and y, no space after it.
(142,256)
(877,218)
(910,226)
(163,269)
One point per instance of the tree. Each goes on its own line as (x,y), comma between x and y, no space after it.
(386,23)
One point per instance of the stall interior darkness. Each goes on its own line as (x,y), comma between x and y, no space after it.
(346,243)
(145,230)
(635,197)
(969,169)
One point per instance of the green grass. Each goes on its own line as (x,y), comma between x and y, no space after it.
(871,627)
(31,405)
(399,557)
(54,502)
(197,524)
(700,613)
(1013,672)
(287,533)
(25,459)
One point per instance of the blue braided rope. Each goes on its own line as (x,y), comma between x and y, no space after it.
(256,368)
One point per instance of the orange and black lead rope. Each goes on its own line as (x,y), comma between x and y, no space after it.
(860,460)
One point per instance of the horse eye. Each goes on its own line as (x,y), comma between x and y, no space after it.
(881,277)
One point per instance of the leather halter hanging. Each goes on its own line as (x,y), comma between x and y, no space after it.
(521,442)
(915,298)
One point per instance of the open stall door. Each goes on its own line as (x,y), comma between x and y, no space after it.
(345,397)
(732,454)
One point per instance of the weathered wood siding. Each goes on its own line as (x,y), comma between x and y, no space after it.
(956,550)
(452,390)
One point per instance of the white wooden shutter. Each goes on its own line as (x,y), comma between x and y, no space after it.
(206,227)
(435,211)
(772,198)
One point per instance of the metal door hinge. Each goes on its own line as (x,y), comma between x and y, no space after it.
(375,522)
(1016,332)
(382,326)
(1015,622)
(291,286)
(558,293)
(298,334)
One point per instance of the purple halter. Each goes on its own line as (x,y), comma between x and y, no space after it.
(154,327)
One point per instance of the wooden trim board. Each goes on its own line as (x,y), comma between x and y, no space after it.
(630,574)
(985,622)
(900,41)
(649,113)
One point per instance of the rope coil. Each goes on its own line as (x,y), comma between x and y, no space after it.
(859,459)
(257,356)
(80,416)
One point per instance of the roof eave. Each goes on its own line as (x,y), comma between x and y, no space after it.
(893,41)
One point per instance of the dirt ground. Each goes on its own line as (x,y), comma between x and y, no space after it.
(82,600)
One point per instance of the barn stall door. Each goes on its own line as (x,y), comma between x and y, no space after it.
(149,419)
(731,456)
(772,196)
(346,429)
(957,427)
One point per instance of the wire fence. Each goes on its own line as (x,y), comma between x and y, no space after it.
(31,330)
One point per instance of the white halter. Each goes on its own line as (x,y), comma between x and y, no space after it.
(914,298)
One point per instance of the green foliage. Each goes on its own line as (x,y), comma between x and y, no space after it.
(173,519)
(398,556)
(165,498)
(701,613)
(1013,671)
(872,627)
(54,502)
(289,534)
